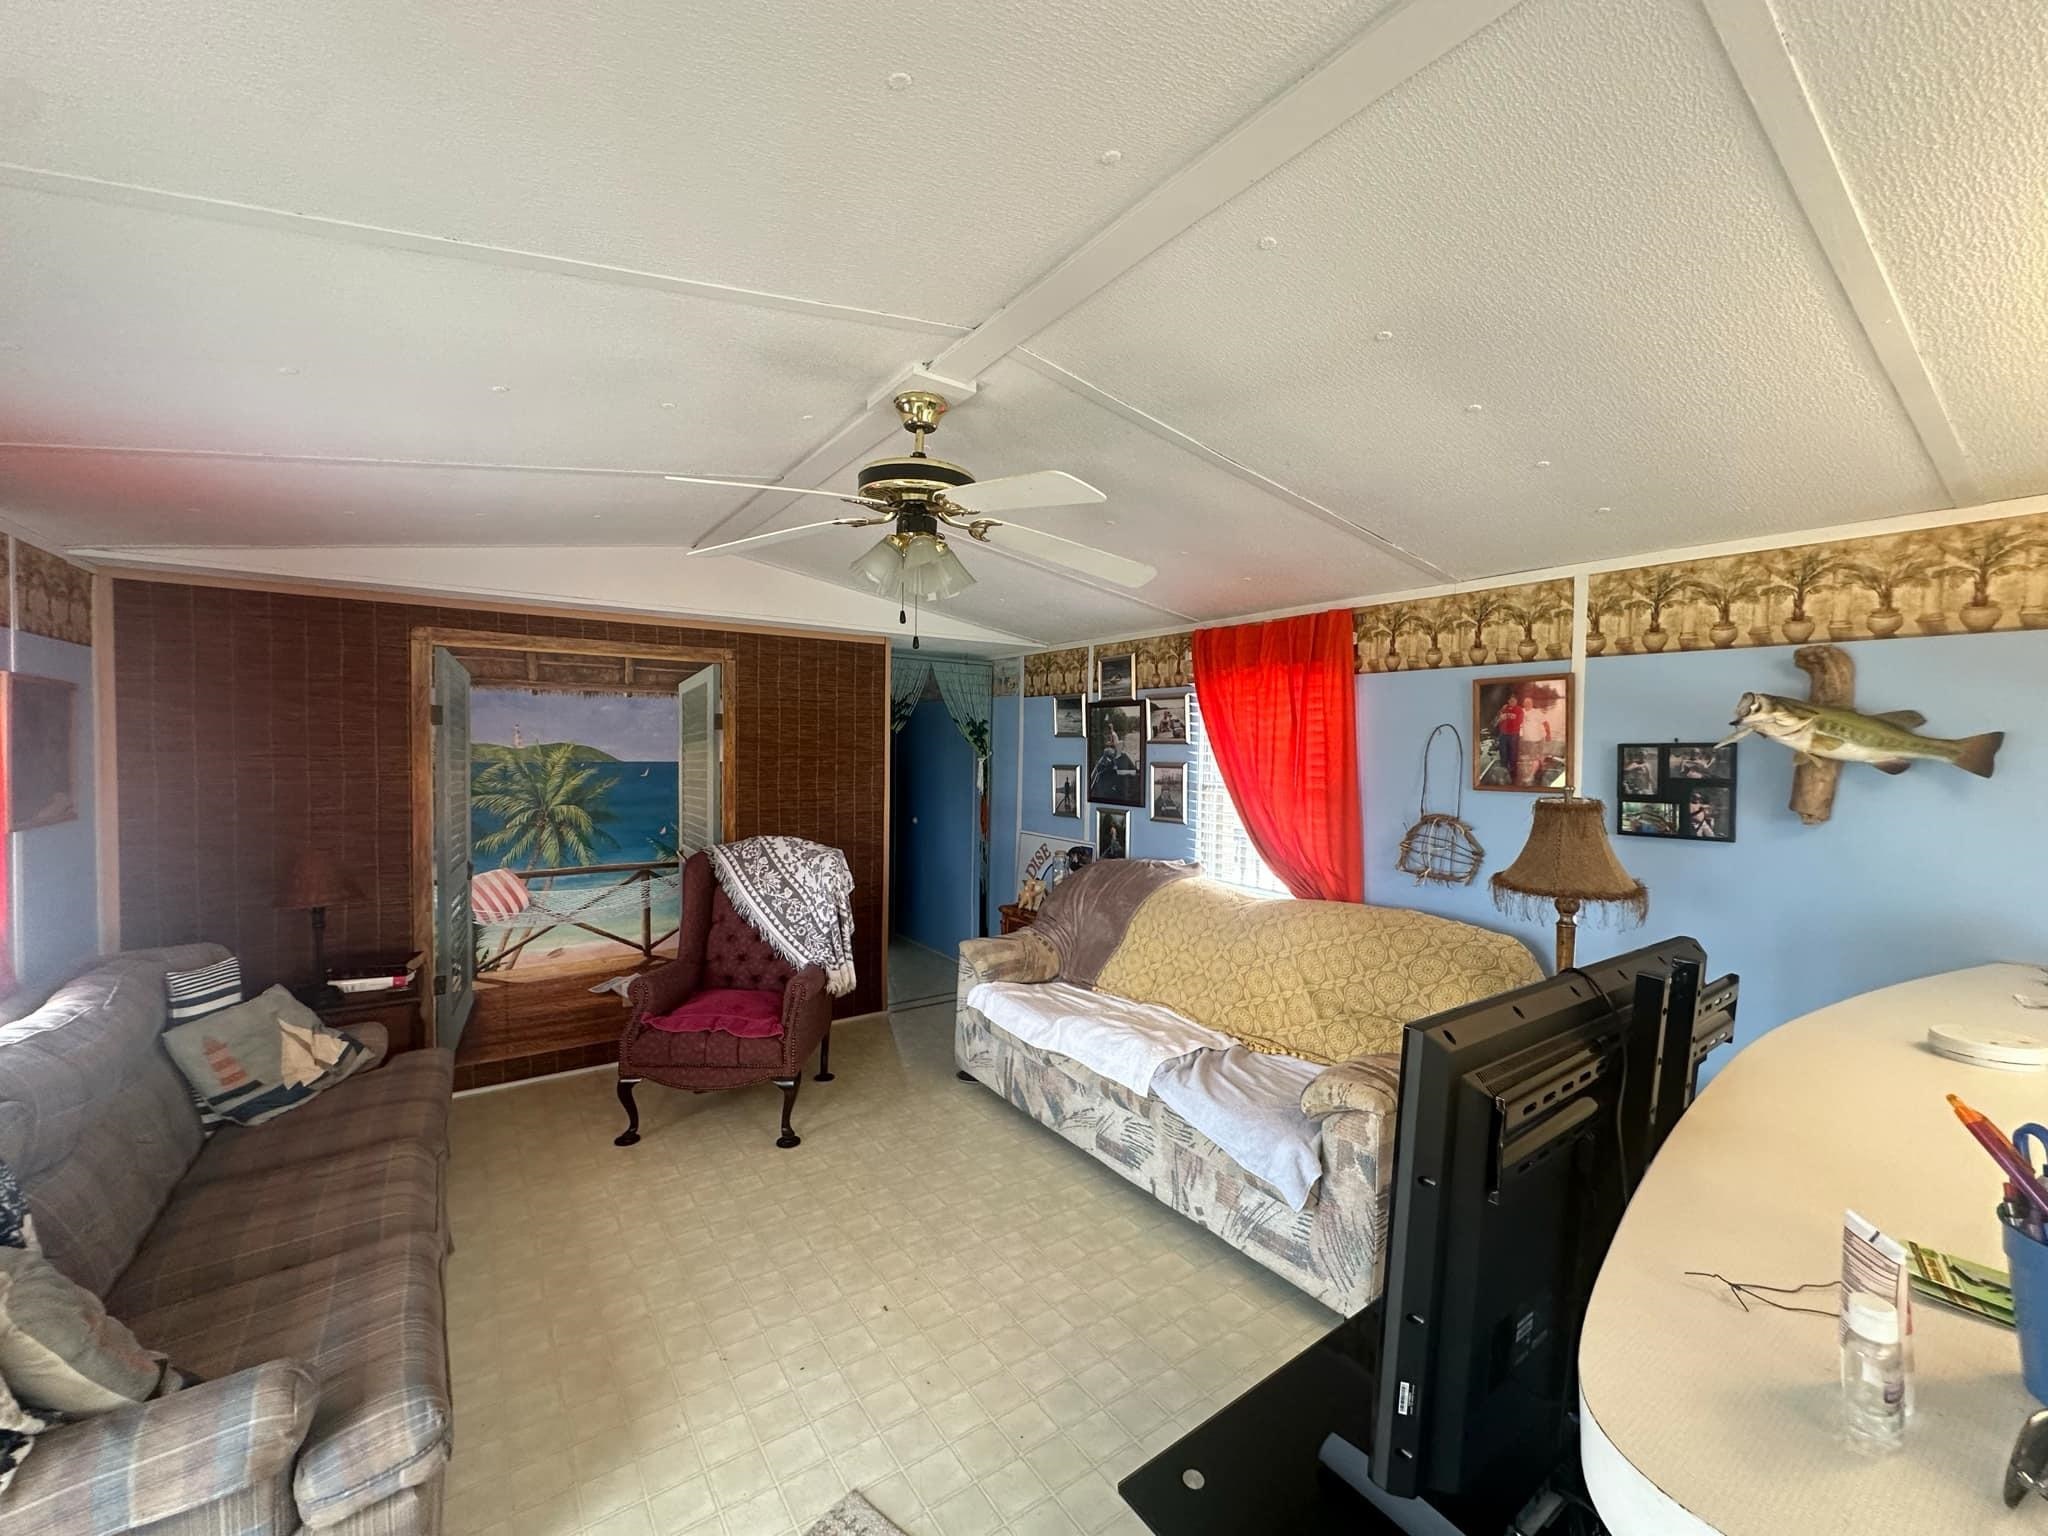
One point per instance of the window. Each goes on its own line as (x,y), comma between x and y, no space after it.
(1221,843)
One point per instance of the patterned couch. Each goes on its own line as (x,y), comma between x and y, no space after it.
(296,1266)
(1328,982)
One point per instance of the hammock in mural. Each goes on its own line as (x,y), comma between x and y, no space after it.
(510,913)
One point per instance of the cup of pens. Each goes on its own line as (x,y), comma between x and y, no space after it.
(2023,1215)
(2026,1257)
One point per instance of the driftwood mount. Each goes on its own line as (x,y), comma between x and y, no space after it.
(1831,682)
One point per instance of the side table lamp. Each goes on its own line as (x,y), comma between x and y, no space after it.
(1568,863)
(316,882)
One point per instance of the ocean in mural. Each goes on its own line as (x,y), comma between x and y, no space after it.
(574,783)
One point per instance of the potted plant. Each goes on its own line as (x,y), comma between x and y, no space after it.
(1558,615)
(1901,563)
(1800,574)
(1612,606)
(1428,621)
(1478,611)
(1526,647)
(1657,589)
(1393,623)
(1736,584)
(1983,554)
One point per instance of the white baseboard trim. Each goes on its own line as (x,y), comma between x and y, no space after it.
(612,1066)
(545,1077)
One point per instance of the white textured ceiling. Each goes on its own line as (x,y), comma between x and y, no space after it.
(653,236)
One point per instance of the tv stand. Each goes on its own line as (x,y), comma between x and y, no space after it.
(1259,1463)
(1256,1464)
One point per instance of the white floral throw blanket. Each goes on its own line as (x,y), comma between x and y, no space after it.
(797,894)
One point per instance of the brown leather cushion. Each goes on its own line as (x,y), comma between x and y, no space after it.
(735,955)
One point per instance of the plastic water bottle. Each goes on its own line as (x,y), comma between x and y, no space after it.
(1873,1375)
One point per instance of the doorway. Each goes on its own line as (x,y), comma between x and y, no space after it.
(567,781)
(938,809)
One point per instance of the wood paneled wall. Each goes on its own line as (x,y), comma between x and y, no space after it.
(250,723)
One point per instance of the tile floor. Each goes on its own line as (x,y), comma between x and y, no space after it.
(917,974)
(933,1300)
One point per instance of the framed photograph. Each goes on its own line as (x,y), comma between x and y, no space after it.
(1112,834)
(1640,774)
(1116,753)
(1166,719)
(1066,790)
(1647,818)
(1069,716)
(40,745)
(1683,789)
(1522,732)
(1115,675)
(1170,792)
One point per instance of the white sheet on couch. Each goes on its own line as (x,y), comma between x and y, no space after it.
(1111,1036)
(1249,1104)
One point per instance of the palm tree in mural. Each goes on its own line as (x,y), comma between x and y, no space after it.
(551,807)
(1733,584)
(1983,554)
(1799,573)
(1882,570)
(1477,613)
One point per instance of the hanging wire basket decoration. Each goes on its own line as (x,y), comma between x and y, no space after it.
(1441,847)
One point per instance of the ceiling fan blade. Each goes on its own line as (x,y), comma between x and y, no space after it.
(755,541)
(1013,493)
(769,485)
(1054,550)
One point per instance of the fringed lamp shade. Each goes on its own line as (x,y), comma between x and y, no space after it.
(1569,863)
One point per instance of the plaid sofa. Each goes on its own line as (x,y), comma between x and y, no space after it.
(297,1266)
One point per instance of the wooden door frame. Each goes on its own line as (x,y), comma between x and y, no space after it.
(425,638)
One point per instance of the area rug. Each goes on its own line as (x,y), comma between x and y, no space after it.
(854,1516)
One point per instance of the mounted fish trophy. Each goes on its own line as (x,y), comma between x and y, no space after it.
(1826,732)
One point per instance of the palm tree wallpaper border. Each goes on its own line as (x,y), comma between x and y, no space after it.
(1466,629)
(1971,578)
(1965,579)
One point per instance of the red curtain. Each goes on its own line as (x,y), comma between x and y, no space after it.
(1279,706)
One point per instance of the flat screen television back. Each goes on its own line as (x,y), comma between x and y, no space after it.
(1525,1121)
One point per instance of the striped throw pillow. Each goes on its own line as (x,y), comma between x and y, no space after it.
(497,894)
(195,994)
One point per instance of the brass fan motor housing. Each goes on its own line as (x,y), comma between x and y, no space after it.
(910,478)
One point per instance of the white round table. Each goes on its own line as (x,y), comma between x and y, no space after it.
(1699,1418)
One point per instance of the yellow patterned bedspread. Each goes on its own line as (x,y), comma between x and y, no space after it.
(1322,980)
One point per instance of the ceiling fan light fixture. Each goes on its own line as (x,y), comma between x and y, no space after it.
(917,567)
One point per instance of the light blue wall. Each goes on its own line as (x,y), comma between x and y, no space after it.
(1002,807)
(1916,874)
(1149,839)
(933,805)
(53,870)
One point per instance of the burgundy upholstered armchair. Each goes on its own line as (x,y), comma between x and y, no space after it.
(719,952)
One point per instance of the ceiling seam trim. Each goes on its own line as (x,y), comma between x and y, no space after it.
(1389,51)
(1754,40)
(347,461)
(254,215)
(1140,417)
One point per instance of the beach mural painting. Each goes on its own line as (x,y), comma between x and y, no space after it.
(574,830)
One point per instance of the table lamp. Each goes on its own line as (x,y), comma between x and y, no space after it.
(1568,862)
(316,882)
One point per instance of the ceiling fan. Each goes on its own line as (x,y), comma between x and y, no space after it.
(925,499)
